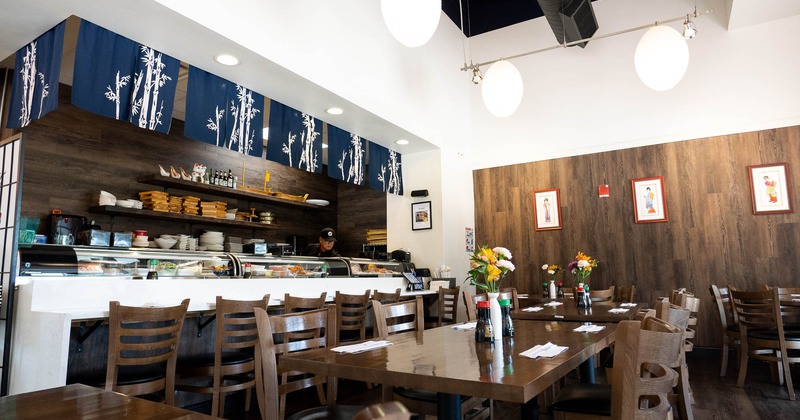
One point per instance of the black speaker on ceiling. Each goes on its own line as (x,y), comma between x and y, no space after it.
(579,20)
(419,193)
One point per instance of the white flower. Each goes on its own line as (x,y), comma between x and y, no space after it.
(583,264)
(505,264)
(502,251)
(551,271)
(544,267)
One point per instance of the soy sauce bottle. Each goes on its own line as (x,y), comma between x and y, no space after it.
(483,328)
(580,297)
(152,273)
(508,324)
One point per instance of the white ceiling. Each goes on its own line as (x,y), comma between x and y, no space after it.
(155,25)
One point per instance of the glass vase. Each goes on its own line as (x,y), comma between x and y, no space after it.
(497,317)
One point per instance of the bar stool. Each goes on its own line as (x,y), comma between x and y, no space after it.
(231,367)
(143,349)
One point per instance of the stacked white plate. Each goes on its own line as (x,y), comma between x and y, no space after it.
(212,240)
(107,199)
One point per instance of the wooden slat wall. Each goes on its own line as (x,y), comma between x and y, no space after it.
(71,154)
(711,237)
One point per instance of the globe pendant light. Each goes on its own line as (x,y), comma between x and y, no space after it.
(501,89)
(412,22)
(661,58)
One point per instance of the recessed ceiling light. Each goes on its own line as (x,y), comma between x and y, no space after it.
(402,142)
(226,60)
(334,110)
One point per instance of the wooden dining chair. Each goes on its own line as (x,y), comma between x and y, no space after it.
(447,306)
(272,394)
(470,301)
(681,318)
(606,295)
(231,366)
(386,297)
(762,335)
(645,352)
(143,349)
(300,304)
(511,294)
(407,317)
(624,293)
(300,331)
(729,324)
(352,315)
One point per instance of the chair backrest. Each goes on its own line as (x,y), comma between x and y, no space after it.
(394,318)
(352,312)
(755,310)
(236,326)
(606,295)
(569,292)
(301,331)
(510,293)
(646,350)
(469,303)
(386,297)
(789,313)
(300,304)
(139,336)
(722,301)
(268,403)
(624,293)
(448,305)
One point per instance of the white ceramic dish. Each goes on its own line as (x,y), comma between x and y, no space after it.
(166,243)
(318,202)
(125,203)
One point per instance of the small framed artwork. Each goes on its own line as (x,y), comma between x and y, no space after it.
(649,201)
(547,209)
(421,215)
(770,188)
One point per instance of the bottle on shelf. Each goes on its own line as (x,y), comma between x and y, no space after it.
(235,182)
(152,272)
(248,270)
(483,327)
(508,324)
(229,178)
(552,289)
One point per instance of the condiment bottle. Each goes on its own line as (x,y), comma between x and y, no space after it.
(560,290)
(552,289)
(248,270)
(580,297)
(483,328)
(545,292)
(505,311)
(152,273)
(587,296)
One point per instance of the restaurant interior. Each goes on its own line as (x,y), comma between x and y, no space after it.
(671,182)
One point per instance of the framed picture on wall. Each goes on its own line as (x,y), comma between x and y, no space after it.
(770,189)
(649,201)
(421,215)
(547,209)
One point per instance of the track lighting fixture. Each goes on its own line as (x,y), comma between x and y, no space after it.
(689,29)
(477,77)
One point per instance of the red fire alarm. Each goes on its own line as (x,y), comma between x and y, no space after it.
(602,191)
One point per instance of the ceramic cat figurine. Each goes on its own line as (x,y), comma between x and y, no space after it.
(199,172)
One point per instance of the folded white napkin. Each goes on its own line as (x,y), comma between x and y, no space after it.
(544,350)
(553,303)
(523,295)
(466,326)
(618,310)
(589,328)
(533,309)
(362,347)
(628,305)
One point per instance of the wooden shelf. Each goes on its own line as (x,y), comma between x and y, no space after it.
(168,182)
(178,217)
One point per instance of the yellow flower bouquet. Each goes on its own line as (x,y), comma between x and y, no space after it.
(488,266)
(582,266)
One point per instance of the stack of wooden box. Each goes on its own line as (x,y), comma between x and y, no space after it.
(155,200)
(175,204)
(191,205)
(213,209)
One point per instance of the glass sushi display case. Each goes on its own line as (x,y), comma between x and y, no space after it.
(135,263)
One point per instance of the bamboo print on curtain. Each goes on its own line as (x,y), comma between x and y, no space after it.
(225,114)
(122,79)
(295,138)
(349,153)
(35,89)
(385,172)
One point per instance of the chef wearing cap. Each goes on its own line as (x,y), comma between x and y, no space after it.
(327,237)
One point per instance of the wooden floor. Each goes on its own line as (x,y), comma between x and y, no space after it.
(715,397)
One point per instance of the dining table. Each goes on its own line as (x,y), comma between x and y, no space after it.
(567,310)
(78,401)
(448,360)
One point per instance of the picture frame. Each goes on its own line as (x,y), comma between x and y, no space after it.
(770,188)
(547,209)
(421,216)
(649,200)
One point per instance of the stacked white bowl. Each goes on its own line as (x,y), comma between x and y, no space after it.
(141,241)
(107,199)
(212,240)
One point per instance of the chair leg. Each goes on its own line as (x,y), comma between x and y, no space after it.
(724,368)
(742,364)
(321,394)
(215,411)
(685,393)
(788,376)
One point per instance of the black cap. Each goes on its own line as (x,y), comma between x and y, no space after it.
(328,234)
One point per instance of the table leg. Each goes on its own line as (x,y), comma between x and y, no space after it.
(449,406)
(587,370)
(530,410)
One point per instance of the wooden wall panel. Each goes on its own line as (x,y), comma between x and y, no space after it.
(711,237)
(72,154)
